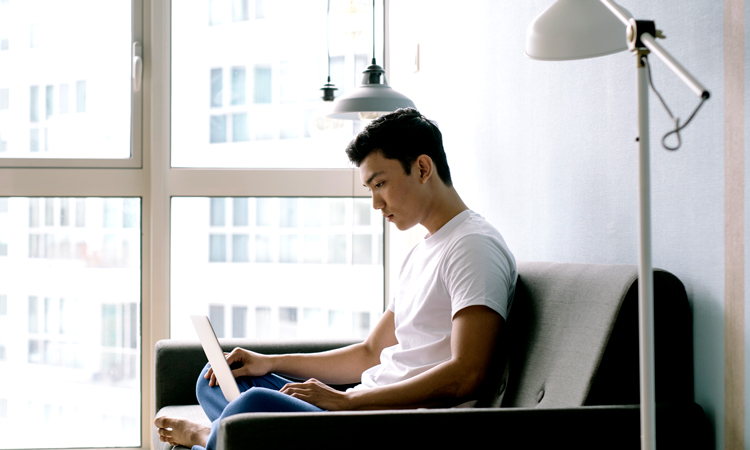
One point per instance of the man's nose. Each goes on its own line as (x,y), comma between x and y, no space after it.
(377,201)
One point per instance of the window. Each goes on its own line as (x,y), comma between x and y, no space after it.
(67,108)
(238,85)
(4,25)
(263,79)
(216,316)
(216,88)
(74,316)
(72,240)
(239,321)
(277,257)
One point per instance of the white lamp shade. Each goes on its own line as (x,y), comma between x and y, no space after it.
(372,98)
(575,29)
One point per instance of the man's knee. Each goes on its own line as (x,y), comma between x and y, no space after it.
(201,385)
(257,399)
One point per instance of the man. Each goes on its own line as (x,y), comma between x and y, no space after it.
(433,346)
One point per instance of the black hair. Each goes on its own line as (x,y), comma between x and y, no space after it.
(404,135)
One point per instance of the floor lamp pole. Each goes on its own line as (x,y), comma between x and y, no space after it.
(645,270)
(641,43)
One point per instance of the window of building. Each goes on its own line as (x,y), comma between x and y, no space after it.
(4,99)
(239,321)
(5,25)
(216,316)
(240,212)
(240,10)
(239,82)
(262,83)
(217,92)
(240,248)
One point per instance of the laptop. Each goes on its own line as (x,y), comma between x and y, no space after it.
(216,357)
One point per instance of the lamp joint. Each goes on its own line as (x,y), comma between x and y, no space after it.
(640,59)
(636,29)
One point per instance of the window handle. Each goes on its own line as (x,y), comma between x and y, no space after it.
(137,73)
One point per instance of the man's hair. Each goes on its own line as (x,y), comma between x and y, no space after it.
(404,135)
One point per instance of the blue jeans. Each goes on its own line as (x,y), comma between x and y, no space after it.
(259,394)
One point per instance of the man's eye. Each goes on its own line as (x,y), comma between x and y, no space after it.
(379,184)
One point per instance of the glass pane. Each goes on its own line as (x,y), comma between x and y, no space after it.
(292,268)
(253,99)
(65,87)
(70,344)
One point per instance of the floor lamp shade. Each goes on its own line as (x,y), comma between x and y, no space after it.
(575,29)
(370,100)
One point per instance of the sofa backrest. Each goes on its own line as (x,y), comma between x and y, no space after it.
(572,338)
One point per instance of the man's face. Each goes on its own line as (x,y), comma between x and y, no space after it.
(396,194)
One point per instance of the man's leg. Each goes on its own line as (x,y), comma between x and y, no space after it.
(267,399)
(212,399)
(258,399)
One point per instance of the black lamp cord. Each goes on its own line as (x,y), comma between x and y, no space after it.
(373,32)
(328,38)
(678,127)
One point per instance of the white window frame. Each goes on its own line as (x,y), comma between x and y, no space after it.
(135,161)
(148,174)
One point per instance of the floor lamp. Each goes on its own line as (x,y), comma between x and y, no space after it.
(577,29)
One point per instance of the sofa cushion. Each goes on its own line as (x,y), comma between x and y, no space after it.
(572,338)
(561,322)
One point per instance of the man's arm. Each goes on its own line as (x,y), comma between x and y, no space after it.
(339,366)
(474,333)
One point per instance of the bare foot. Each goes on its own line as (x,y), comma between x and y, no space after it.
(179,431)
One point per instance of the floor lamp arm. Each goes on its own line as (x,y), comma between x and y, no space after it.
(655,48)
(620,13)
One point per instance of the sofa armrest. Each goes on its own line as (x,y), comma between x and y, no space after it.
(679,425)
(178,363)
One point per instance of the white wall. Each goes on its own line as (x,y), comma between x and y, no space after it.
(546,150)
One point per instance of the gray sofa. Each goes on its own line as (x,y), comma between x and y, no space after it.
(568,376)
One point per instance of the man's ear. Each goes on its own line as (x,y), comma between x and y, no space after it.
(425,166)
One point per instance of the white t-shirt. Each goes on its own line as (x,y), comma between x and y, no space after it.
(465,263)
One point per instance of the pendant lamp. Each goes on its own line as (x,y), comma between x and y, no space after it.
(374,97)
(320,124)
(328,88)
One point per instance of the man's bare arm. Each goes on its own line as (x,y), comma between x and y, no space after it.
(474,332)
(339,366)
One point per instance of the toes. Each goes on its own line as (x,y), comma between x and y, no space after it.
(161,422)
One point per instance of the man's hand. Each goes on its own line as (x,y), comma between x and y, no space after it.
(253,365)
(319,394)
